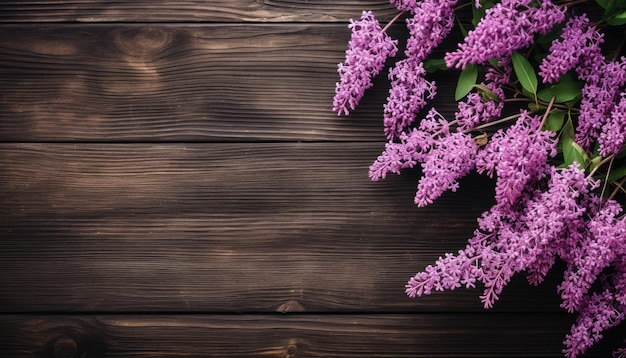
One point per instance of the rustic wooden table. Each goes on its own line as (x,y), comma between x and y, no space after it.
(174,183)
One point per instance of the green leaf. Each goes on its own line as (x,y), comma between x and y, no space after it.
(461,27)
(467,79)
(477,14)
(568,129)
(524,72)
(593,163)
(617,19)
(562,91)
(617,173)
(435,64)
(572,152)
(603,3)
(486,93)
(555,121)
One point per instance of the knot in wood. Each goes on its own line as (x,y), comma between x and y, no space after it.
(290,306)
(143,41)
(65,347)
(292,351)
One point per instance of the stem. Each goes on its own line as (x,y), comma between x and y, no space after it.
(545,115)
(618,188)
(470,3)
(393,20)
(606,177)
(573,3)
(604,161)
(486,125)
(526,99)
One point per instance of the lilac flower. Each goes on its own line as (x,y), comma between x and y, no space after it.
(526,235)
(588,257)
(476,109)
(448,273)
(518,156)
(368,49)
(600,95)
(405,5)
(451,158)
(613,133)
(510,239)
(407,96)
(578,42)
(432,21)
(504,29)
(598,314)
(413,146)
(405,154)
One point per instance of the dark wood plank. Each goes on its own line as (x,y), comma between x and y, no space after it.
(430,335)
(181,83)
(189,10)
(225,227)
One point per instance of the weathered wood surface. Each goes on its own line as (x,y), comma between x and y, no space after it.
(425,335)
(172,178)
(224,227)
(190,10)
(182,83)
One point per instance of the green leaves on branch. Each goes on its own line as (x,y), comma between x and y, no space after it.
(555,121)
(467,80)
(525,73)
(572,151)
(614,11)
(563,92)
(432,65)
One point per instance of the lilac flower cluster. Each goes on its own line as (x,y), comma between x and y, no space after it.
(511,239)
(367,52)
(477,109)
(506,27)
(550,203)
(579,43)
(518,155)
(451,158)
(579,49)
(445,157)
(407,96)
(600,96)
(432,21)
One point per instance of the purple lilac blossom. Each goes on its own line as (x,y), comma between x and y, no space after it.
(405,5)
(579,40)
(368,49)
(509,239)
(407,96)
(600,95)
(476,109)
(506,27)
(451,158)
(411,148)
(613,133)
(517,156)
(600,312)
(432,21)
(602,241)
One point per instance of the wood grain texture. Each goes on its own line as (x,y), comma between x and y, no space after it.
(181,83)
(409,335)
(190,10)
(225,227)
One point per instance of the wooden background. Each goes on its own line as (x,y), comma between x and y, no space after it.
(173,182)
